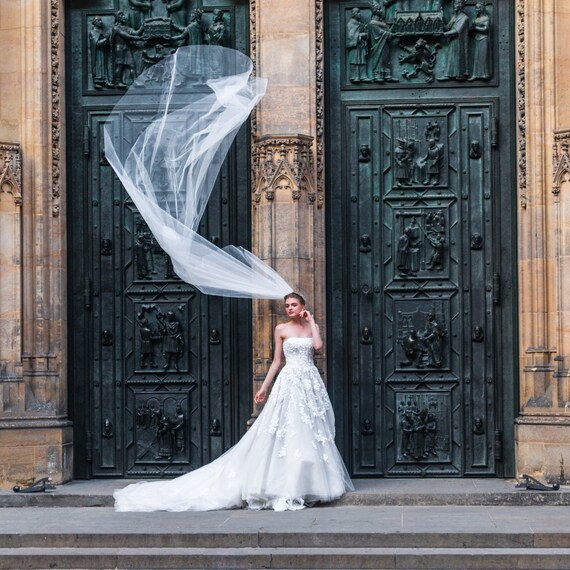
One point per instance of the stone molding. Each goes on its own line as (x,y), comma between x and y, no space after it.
(253,55)
(320,97)
(284,163)
(521,103)
(56,51)
(11,171)
(560,159)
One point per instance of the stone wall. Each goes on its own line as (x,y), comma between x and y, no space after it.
(35,435)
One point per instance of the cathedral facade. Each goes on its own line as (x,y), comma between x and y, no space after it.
(407,171)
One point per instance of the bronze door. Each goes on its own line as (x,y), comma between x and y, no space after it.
(160,373)
(421,236)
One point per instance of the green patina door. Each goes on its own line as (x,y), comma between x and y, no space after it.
(160,374)
(421,238)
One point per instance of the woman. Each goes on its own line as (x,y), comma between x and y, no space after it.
(288,458)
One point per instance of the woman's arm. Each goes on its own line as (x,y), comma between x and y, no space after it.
(317,340)
(274,368)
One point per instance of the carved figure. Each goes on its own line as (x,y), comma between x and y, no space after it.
(413,349)
(414,233)
(476,241)
(427,168)
(435,234)
(478,334)
(122,37)
(214,336)
(364,153)
(107,428)
(139,10)
(174,9)
(475,150)
(403,5)
(379,67)
(403,160)
(408,255)
(433,338)
(144,254)
(433,161)
(365,243)
(147,336)
(430,436)
(482,53)
(366,336)
(356,46)
(407,426)
(457,33)
(422,56)
(420,434)
(99,47)
(216,33)
(173,340)
(403,256)
(168,267)
(177,426)
(478,428)
(164,438)
(437,241)
(193,34)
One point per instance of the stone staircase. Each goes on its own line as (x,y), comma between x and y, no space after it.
(469,524)
(286,550)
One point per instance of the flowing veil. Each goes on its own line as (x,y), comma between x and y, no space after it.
(196,100)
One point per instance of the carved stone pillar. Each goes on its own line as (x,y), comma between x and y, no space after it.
(35,435)
(12,389)
(288,214)
(285,229)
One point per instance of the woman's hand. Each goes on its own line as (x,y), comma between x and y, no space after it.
(307,316)
(260,396)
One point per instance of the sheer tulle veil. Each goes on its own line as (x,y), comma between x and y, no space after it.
(196,100)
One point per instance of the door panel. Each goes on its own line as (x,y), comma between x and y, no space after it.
(156,364)
(414,285)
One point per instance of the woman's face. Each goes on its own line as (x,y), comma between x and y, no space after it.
(293,307)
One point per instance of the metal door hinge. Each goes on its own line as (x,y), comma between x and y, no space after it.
(498,445)
(86,141)
(496,288)
(89,446)
(87,294)
(494,131)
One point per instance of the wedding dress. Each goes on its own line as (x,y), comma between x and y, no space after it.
(287,459)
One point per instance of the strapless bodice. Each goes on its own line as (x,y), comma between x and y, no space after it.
(298,351)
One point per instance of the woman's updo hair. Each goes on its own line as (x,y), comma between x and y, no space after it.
(297,296)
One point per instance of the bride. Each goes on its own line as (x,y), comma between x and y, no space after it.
(286,461)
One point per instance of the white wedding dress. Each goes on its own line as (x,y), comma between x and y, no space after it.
(287,459)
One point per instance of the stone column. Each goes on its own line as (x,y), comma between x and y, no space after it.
(288,214)
(35,435)
(543,427)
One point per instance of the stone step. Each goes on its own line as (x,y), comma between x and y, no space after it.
(324,558)
(368,492)
(284,539)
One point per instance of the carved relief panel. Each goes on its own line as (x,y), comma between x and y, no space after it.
(122,42)
(419,200)
(418,42)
